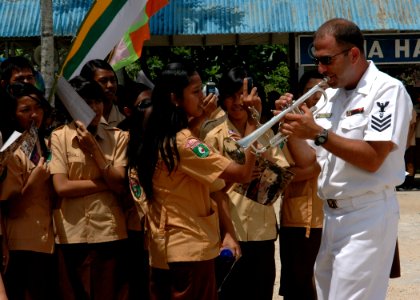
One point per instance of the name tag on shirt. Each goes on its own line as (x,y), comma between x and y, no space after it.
(323,116)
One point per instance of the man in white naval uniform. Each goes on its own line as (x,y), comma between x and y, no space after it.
(361,136)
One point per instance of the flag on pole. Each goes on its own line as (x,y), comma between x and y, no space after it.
(102,29)
(130,46)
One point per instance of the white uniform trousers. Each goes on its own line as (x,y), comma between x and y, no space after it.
(357,248)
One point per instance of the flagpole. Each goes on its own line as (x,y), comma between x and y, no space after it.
(47,47)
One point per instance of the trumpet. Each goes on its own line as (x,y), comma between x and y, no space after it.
(261,132)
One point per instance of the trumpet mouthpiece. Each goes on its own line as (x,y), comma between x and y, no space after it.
(324,83)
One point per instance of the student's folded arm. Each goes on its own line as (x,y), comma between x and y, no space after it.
(65,187)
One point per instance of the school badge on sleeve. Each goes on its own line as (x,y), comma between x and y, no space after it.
(199,149)
(135,187)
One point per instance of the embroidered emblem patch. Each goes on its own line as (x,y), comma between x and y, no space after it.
(200,149)
(135,187)
(355,111)
(382,122)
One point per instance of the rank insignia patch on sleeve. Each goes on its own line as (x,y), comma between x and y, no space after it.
(382,122)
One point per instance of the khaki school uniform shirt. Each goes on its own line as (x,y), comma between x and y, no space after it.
(27,221)
(252,221)
(182,217)
(301,206)
(97,217)
(134,214)
(115,117)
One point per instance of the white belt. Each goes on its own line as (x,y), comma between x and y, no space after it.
(354,201)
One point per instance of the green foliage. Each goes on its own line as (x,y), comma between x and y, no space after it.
(268,64)
(410,75)
(133,69)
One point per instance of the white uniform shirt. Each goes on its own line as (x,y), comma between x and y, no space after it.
(378,109)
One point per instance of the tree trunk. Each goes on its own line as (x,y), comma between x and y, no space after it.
(47,46)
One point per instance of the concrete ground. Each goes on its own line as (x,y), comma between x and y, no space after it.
(407,287)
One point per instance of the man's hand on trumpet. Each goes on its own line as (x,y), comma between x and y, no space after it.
(302,125)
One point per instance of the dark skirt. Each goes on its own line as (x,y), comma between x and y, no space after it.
(297,255)
(184,281)
(253,275)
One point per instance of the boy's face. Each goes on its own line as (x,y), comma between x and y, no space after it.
(22,76)
(108,83)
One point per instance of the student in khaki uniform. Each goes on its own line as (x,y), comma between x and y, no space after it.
(251,208)
(137,106)
(16,69)
(301,218)
(88,168)
(27,211)
(177,172)
(100,71)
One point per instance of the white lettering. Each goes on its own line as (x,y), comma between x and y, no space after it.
(376,50)
(417,49)
(399,48)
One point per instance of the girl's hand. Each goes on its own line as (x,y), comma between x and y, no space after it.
(40,173)
(283,102)
(86,140)
(251,99)
(210,104)
(231,243)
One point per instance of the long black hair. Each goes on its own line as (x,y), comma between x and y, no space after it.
(165,121)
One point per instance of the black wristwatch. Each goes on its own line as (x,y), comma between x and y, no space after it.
(321,138)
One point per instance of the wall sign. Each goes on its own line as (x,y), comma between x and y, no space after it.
(381,48)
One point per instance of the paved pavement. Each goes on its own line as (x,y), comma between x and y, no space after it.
(407,287)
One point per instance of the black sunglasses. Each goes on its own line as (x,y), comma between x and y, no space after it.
(327,60)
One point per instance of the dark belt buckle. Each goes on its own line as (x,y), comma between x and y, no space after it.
(332,203)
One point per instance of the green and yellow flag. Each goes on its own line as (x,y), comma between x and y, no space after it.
(107,24)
